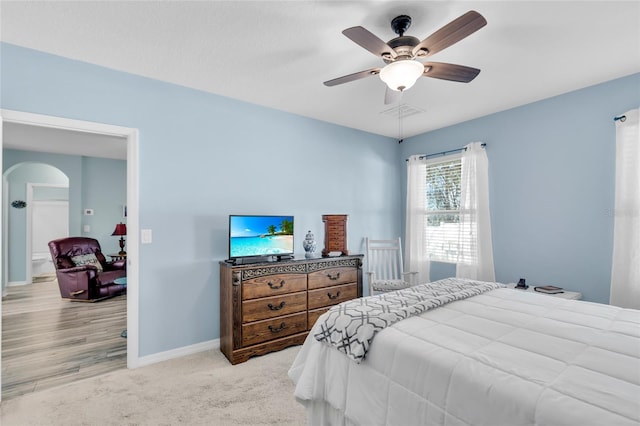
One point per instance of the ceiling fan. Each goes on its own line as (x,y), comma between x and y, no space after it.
(401,54)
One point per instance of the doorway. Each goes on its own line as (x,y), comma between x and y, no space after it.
(48,222)
(47,219)
(131,139)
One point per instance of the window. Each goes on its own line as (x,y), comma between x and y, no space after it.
(448,218)
(442,213)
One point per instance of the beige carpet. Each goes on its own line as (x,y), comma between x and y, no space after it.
(200,389)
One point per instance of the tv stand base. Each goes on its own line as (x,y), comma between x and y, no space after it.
(259,259)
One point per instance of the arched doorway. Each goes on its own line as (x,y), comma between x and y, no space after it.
(35,211)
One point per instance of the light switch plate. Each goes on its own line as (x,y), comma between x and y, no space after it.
(86,228)
(146,236)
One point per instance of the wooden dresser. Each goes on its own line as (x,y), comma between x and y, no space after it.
(265,307)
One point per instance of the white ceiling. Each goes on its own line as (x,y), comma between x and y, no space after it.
(278,53)
(59,141)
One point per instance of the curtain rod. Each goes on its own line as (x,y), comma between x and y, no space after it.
(622,118)
(423,156)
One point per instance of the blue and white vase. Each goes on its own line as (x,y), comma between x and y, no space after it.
(309,245)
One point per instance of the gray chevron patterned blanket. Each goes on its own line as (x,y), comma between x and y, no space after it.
(351,326)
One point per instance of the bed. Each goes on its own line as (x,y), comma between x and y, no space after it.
(501,357)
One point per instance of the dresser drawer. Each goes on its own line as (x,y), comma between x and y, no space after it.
(332,295)
(274,306)
(272,285)
(314,315)
(262,331)
(332,276)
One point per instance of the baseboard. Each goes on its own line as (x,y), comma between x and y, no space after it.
(16,283)
(179,352)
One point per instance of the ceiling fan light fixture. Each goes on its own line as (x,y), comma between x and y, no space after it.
(401,75)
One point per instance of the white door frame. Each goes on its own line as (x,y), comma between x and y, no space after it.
(133,249)
(29,233)
(4,275)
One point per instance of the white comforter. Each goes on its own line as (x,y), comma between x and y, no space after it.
(506,357)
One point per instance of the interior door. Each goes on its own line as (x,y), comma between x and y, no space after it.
(50,220)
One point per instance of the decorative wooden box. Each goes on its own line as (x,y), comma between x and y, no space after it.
(335,233)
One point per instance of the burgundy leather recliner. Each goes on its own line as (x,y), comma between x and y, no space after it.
(85,282)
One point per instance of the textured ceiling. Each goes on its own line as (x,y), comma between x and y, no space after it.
(277,54)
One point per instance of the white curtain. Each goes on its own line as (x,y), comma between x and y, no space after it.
(625,268)
(416,256)
(475,254)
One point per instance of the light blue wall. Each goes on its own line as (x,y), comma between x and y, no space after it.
(551,178)
(104,190)
(97,183)
(203,157)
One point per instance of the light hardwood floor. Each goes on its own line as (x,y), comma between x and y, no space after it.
(48,341)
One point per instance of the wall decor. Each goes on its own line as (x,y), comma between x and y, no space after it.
(18,204)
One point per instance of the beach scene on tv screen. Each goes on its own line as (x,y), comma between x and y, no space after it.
(260,235)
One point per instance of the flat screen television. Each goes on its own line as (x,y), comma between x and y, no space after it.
(260,236)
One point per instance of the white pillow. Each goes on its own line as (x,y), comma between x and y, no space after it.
(87,259)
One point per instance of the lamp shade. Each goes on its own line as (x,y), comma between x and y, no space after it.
(401,75)
(121,229)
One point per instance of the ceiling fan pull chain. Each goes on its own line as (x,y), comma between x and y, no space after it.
(400,139)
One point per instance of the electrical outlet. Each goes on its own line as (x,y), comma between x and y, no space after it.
(88,212)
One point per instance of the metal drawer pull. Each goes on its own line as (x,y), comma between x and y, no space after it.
(334,297)
(275,287)
(333,277)
(276,308)
(277,329)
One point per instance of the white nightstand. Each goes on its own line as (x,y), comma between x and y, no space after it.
(571,295)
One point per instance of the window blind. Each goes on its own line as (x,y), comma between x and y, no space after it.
(442,213)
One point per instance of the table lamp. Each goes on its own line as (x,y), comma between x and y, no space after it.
(121,231)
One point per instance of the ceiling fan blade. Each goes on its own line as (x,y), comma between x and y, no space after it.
(352,77)
(450,72)
(391,96)
(369,41)
(451,33)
